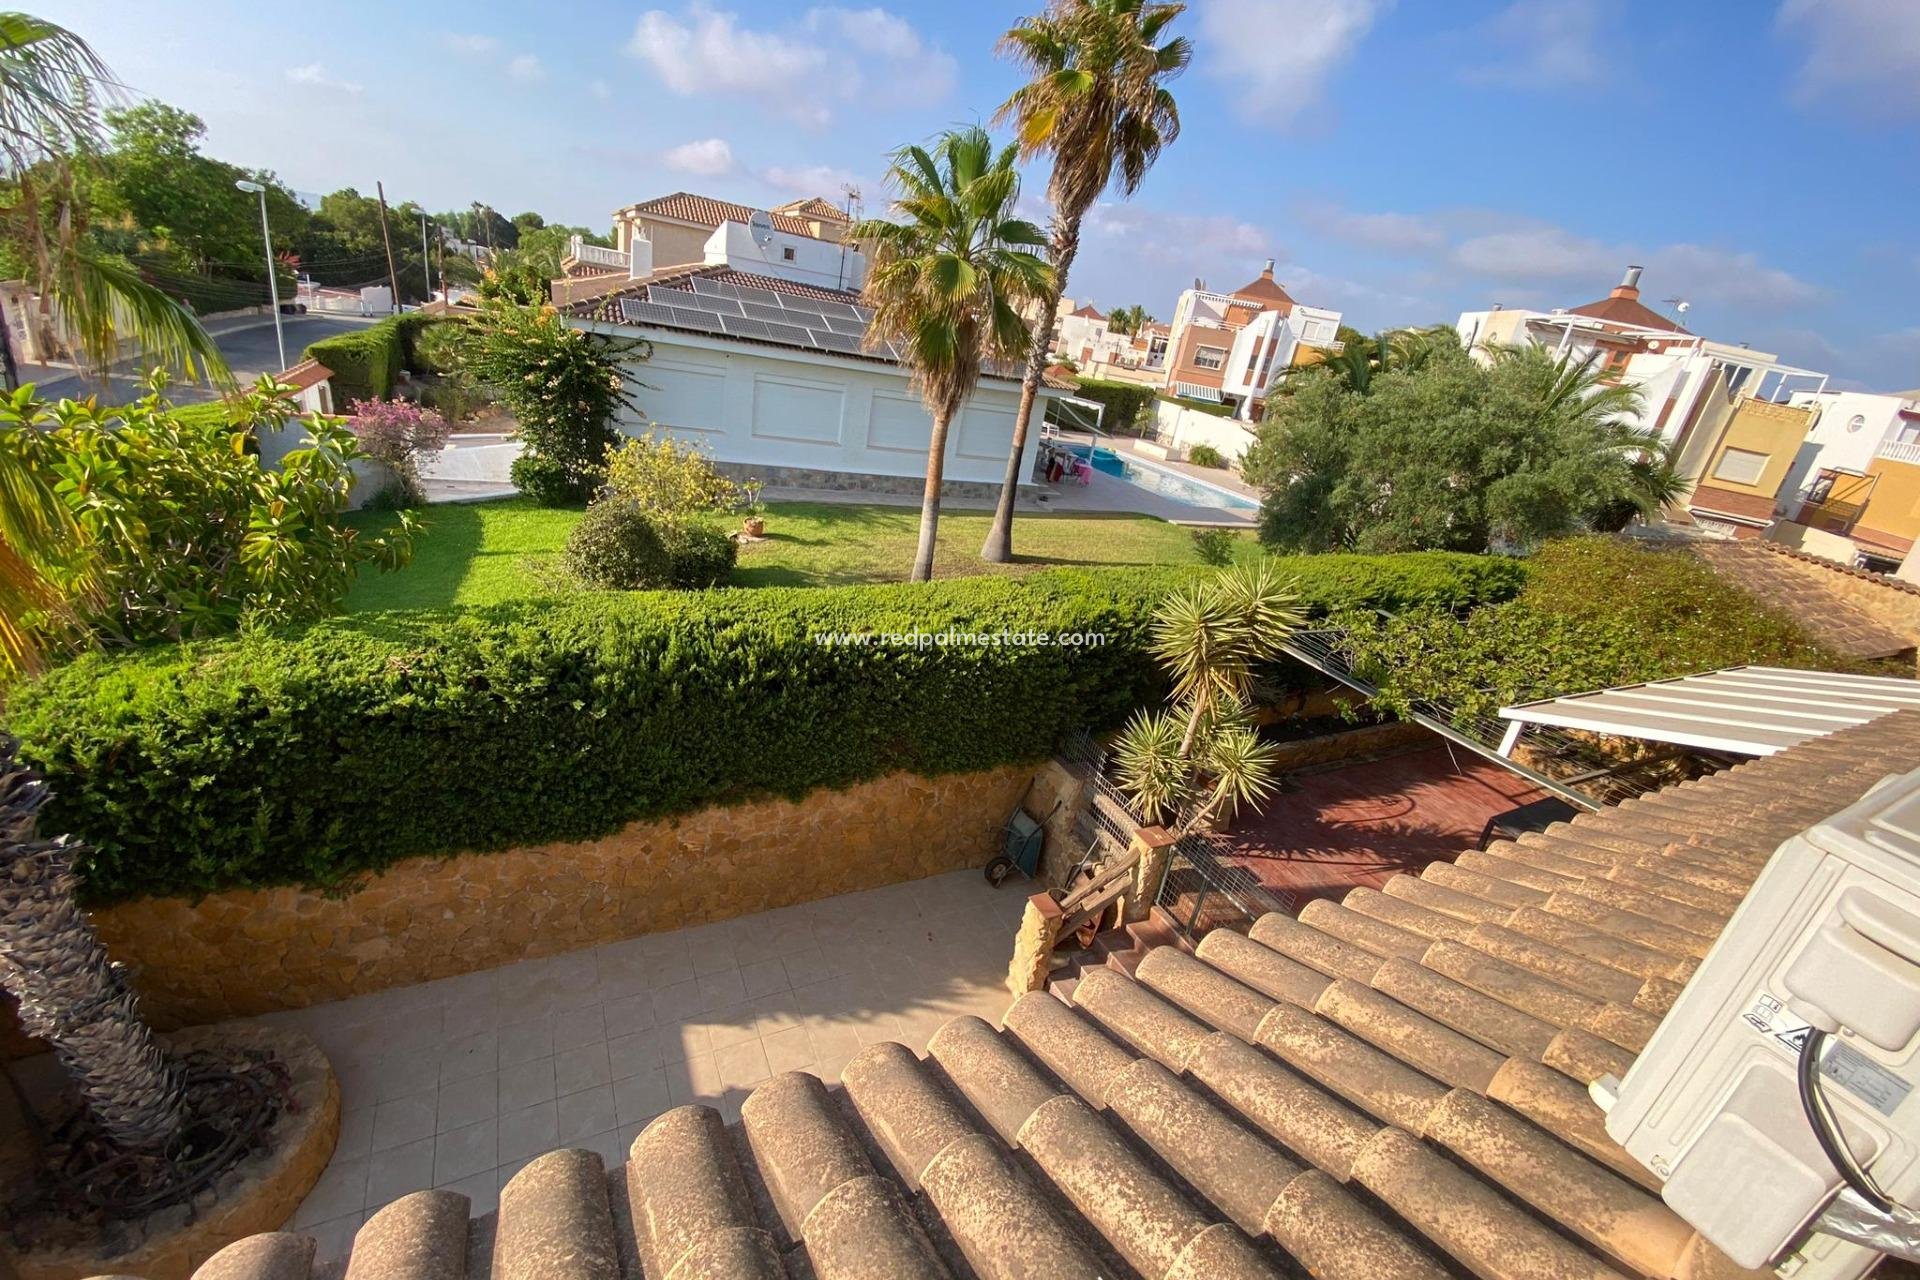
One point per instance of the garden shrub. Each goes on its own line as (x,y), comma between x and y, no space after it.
(698,555)
(616,547)
(1212,408)
(1205,455)
(1125,404)
(365,361)
(314,756)
(671,479)
(545,481)
(399,435)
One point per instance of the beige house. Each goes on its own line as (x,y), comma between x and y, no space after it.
(672,230)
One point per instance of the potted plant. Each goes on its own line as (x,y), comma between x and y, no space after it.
(755,524)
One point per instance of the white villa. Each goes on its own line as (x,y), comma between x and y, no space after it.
(757,353)
(1227,348)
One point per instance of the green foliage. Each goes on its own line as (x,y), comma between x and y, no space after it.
(1212,408)
(668,478)
(1214,547)
(1127,406)
(564,386)
(698,555)
(1596,612)
(194,769)
(616,546)
(181,532)
(1438,451)
(366,361)
(1205,455)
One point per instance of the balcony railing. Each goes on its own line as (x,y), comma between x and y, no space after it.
(1901,450)
(593,255)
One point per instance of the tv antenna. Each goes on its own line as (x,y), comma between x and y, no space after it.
(1680,305)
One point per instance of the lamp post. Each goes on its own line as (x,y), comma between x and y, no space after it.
(273,279)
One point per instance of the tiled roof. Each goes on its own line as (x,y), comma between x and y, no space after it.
(1388,1088)
(1728,502)
(1266,292)
(709,212)
(308,373)
(1089,312)
(1816,593)
(1626,311)
(813,207)
(604,306)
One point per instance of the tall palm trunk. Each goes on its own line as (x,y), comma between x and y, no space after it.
(70,994)
(930,499)
(998,548)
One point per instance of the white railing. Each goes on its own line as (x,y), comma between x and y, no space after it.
(595,256)
(1901,450)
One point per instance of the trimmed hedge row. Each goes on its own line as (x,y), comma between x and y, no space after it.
(314,756)
(1124,402)
(366,361)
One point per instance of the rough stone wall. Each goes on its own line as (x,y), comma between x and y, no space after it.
(1851,611)
(253,951)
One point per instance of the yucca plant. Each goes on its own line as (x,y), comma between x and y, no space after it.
(1200,758)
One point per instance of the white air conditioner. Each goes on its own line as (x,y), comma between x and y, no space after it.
(1825,948)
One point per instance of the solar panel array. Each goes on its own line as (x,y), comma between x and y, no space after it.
(744,311)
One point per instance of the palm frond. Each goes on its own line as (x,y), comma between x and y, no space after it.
(104,302)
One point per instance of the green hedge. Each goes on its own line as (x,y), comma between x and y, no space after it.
(1123,401)
(1212,408)
(311,757)
(366,361)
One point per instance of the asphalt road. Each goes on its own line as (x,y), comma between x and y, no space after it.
(250,352)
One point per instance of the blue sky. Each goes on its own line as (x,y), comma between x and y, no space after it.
(1402,161)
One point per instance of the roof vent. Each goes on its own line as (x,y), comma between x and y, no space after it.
(1629,286)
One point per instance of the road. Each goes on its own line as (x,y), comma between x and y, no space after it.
(250,352)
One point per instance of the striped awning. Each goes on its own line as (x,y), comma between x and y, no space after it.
(1753,711)
(1194,391)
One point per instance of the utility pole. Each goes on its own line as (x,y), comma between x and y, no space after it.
(426,261)
(393,274)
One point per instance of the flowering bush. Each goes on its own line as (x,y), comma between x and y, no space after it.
(400,434)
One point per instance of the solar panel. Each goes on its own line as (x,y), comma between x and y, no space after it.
(748,293)
(712,288)
(634,311)
(828,341)
(664,296)
(792,333)
(848,326)
(841,310)
(863,314)
(688,318)
(760,311)
(741,327)
(707,302)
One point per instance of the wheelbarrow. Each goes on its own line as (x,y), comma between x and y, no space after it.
(1022,838)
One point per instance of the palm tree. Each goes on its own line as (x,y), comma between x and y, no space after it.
(50,85)
(43,571)
(1129,319)
(1098,104)
(949,283)
(70,994)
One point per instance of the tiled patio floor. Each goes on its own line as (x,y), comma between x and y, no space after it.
(458,1083)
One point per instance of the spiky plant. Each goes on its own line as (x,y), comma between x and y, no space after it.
(949,282)
(1097,102)
(70,994)
(1201,758)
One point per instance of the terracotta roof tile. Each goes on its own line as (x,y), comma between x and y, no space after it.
(709,212)
(1291,1100)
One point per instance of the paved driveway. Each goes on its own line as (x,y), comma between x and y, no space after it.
(250,352)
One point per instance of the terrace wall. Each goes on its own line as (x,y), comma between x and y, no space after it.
(254,951)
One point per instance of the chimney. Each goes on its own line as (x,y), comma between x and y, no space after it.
(1629,286)
(639,258)
(1266,272)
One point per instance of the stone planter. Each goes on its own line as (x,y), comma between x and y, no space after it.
(754,527)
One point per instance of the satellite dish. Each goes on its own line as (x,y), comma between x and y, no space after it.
(761,225)
(1680,305)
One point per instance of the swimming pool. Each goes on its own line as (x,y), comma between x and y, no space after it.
(1166,483)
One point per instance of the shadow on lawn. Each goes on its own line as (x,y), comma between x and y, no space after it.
(448,544)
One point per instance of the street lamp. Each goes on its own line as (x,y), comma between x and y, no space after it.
(273,280)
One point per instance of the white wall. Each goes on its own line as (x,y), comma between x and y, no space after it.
(815,262)
(1180,428)
(781,409)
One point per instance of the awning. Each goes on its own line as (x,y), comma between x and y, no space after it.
(1753,711)
(1195,391)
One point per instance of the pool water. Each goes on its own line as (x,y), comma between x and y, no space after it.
(1168,484)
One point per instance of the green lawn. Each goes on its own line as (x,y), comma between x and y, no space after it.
(485,553)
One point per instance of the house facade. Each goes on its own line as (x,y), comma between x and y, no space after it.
(674,230)
(767,370)
(1228,347)
(1857,478)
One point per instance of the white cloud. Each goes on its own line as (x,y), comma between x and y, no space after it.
(1531,253)
(1210,242)
(318,77)
(832,57)
(1700,273)
(473,45)
(1400,233)
(1280,52)
(1866,52)
(707,157)
(600,90)
(526,68)
(1724,276)
(1541,44)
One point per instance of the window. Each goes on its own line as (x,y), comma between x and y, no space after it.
(786,252)
(1740,466)
(1822,488)
(1209,357)
(1856,422)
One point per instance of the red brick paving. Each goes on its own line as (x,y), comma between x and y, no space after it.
(1359,824)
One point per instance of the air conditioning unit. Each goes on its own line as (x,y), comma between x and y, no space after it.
(1791,1055)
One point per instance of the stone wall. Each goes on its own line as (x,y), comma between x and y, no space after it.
(253,951)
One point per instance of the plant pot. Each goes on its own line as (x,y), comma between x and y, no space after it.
(754,527)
